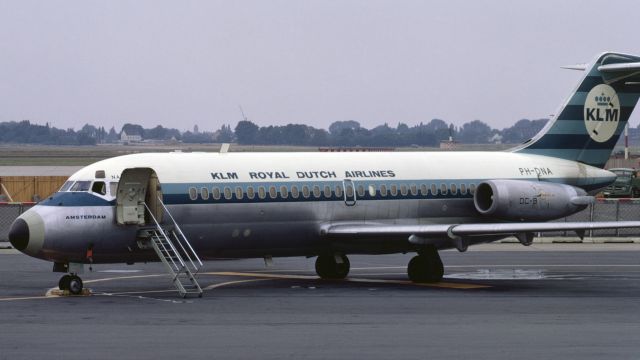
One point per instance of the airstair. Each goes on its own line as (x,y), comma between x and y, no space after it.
(175,251)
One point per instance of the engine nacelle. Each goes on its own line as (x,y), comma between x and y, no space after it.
(522,200)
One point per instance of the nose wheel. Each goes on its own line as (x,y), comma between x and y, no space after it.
(71,282)
(426,267)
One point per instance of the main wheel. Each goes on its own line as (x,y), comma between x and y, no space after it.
(425,268)
(328,268)
(75,285)
(63,284)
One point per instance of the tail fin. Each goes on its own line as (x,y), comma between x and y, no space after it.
(587,126)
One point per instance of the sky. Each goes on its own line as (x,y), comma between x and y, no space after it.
(185,63)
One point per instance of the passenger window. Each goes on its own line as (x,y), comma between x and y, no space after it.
(305,191)
(349,191)
(372,190)
(454,189)
(424,191)
(339,192)
(327,191)
(227,193)
(443,189)
(81,186)
(295,193)
(463,189)
(394,190)
(193,193)
(66,186)
(360,191)
(414,189)
(273,193)
(383,190)
(239,193)
(316,191)
(434,190)
(403,190)
(284,192)
(204,193)
(216,193)
(262,193)
(99,187)
(250,192)
(472,189)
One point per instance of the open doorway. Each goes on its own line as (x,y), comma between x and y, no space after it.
(137,187)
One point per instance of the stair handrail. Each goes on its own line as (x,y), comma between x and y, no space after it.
(168,240)
(185,252)
(193,252)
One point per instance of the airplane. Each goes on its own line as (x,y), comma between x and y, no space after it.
(182,208)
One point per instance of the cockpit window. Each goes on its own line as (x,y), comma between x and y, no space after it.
(66,186)
(81,186)
(99,187)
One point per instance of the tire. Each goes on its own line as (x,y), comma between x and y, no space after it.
(425,269)
(328,268)
(75,285)
(63,284)
(416,269)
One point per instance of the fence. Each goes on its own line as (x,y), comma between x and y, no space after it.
(8,213)
(29,188)
(602,210)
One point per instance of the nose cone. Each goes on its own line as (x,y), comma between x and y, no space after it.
(27,233)
(19,234)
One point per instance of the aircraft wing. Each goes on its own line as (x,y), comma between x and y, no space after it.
(461,235)
(480,229)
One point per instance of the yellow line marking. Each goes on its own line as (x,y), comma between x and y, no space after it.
(215,286)
(25,298)
(447,285)
(124,278)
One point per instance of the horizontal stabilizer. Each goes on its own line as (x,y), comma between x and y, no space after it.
(579,67)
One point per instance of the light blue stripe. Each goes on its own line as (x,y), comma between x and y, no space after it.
(576,127)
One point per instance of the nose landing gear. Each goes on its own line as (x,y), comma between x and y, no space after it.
(72,283)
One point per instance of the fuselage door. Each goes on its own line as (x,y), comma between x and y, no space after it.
(137,187)
(349,192)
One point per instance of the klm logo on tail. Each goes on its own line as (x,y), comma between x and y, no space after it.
(588,125)
(601,112)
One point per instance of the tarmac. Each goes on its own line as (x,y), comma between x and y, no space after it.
(497,301)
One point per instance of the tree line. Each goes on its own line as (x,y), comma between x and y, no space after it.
(347,133)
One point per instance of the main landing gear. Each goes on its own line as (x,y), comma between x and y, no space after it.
(426,267)
(332,266)
(71,282)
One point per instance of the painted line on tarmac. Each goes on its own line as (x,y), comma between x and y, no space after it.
(26,298)
(216,286)
(446,285)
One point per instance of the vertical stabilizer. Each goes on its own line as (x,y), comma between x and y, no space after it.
(589,123)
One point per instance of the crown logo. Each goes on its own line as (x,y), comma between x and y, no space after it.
(603,100)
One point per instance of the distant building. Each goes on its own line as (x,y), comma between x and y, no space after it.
(448,144)
(124,137)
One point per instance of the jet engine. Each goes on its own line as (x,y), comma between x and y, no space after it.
(522,200)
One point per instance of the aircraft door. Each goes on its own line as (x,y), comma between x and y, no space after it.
(136,187)
(349,192)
